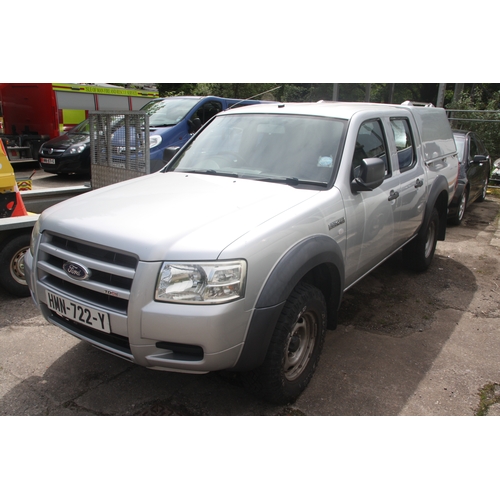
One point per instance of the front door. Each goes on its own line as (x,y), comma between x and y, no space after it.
(371,215)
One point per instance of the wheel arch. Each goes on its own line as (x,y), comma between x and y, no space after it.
(318,261)
(439,199)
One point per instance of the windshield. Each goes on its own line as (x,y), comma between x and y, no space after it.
(277,148)
(460,142)
(81,128)
(168,112)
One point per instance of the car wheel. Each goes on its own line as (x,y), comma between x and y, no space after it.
(294,350)
(418,254)
(462,205)
(482,196)
(12,277)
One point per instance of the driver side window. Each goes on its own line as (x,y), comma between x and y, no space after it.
(473,149)
(370,143)
(207,111)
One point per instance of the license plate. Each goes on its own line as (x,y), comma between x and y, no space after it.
(81,314)
(48,160)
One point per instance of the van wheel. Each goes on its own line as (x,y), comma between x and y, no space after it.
(294,350)
(12,277)
(419,252)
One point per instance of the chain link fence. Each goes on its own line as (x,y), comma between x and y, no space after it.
(119,146)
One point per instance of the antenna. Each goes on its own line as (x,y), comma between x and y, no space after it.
(256,95)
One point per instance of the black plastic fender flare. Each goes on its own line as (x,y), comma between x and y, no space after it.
(439,198)
(293,266)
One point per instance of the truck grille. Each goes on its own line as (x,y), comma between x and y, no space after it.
(110,278)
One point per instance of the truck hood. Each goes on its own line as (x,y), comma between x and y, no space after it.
(172,216)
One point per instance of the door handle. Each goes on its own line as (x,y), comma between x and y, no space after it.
(393,195)
(419,183)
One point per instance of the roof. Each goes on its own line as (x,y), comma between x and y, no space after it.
(343,110)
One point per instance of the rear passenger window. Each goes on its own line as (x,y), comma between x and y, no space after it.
(404,143)
(370,143)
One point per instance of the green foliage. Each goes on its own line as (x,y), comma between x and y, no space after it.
(171,89)
(480,98)
(230,90)
(309,92)
(489,395)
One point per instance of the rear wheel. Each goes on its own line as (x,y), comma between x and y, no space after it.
(419,252)
(295,348)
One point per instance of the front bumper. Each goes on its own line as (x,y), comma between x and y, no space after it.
(77,164)
(164,336)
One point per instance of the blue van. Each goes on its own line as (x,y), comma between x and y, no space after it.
(173,120)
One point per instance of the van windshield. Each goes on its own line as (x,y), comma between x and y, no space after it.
(168,112)
(297,150)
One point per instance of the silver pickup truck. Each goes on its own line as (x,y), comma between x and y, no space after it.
(235,256)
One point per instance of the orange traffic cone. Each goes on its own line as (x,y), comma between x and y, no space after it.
(19,209)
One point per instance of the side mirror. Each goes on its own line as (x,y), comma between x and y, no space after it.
(169,153)
(371,175)
(480,158)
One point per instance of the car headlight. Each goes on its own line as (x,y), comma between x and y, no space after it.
(35,234)
(201,282)
(154,140)
(77,148)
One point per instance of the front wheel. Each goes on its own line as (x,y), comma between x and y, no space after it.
(484,190)
(462,205)
(295,348)
(12,277)
(419,252)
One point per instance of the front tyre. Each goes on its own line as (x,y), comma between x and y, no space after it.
(462,205)
(295,348)
(484,190)
(419,252)
(12,276)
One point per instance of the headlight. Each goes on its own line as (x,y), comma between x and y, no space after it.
(35,234)
(201,282)
(74,150)
(154,140)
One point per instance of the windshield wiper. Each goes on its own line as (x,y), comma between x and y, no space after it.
(209,172)
(293,181)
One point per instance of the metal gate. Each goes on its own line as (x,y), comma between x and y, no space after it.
(119,146)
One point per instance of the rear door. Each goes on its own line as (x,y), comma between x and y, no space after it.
(411,199)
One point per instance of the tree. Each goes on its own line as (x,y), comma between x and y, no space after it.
(478,103)
(171,89)
(229,90)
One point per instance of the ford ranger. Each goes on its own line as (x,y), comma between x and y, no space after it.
(235,255)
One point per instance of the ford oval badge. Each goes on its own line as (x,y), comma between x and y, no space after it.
(76,271)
